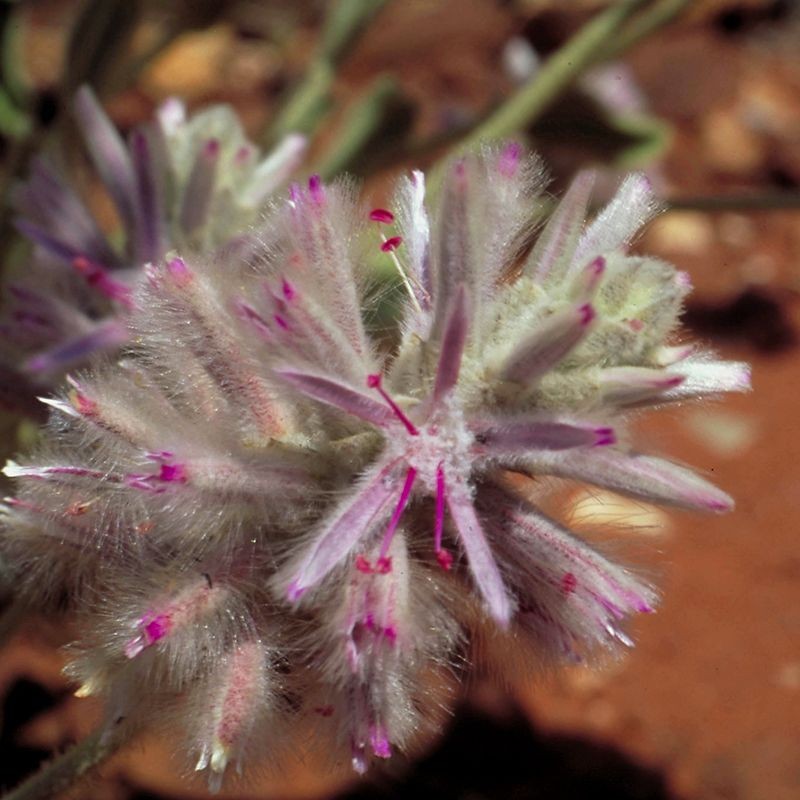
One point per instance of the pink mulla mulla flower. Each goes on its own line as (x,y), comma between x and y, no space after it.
(265,519)
(194,184)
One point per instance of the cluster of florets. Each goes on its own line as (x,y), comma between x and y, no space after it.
(258,515)
(192,184)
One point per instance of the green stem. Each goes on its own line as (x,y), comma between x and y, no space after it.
(64,771)
(358,127)
(649,21)
(555,75)
(310,98)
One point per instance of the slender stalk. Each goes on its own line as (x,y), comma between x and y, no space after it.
(555,75)
(358,127)
(65,771)
(649,21)
(310,98)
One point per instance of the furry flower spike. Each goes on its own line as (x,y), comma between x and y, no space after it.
(263,513)
(191,183)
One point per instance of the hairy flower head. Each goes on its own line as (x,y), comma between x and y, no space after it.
(264,512)
(190,183)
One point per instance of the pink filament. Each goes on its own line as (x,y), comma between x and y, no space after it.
(398,512)
(442,556)
(374,382)
(391,244)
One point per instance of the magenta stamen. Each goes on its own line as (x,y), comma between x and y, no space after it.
(179,272)
(390,633)
(568,583)
(211,148)
(281,322)
(393,522)
(288,290)
(441,555)
(379,742)
(316,190)
(82,403)
(587,313)
(363,565)
(156,628)
(383,566)
(99,278)
(597,267)
(391,244)
(381,215)
(509,159)
(374,382)
(172,473)
(605,436)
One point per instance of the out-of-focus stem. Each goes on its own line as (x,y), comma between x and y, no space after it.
(558,72)
(360,123)
(65,771)
(650,20)
(309,100)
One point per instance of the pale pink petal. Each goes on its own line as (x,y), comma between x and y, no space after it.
(554,248)
(345,527)
(275,169)
(453,342)
(637,385)
(481,561)
(414,225)
(338,395)
(702,378)
(548,344)
(616,225)
(646,477)
(497,437)
(108,153)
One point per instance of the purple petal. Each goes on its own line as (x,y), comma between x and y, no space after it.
(350,522)
(555,246)
(276,168)
(50,204)
(107,336)
(150,200)
(197,195)
(481,561)
(453,341)
(455,263)
(645,477)
(633,385)
(339,396)
(617,224)
(559,552)
(56,247)
(709,377)
(515,436)
(108,153)
(547,345)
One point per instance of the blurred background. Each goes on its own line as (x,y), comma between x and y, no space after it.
(707,101)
